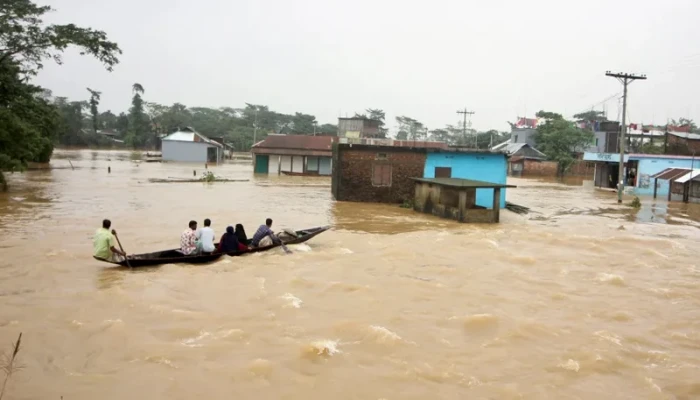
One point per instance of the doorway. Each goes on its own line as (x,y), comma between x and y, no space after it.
(212,154)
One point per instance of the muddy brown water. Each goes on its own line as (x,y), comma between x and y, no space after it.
(581,299)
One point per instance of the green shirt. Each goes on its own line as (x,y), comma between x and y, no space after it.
(104,241)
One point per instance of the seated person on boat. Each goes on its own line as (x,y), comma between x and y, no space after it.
(188,239)
(229,242)
(205,238)
(264,236)
(103,244)
(240,233)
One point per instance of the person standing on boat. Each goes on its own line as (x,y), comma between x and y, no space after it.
(205,238)
(188,239)
(103,244)
(264,235)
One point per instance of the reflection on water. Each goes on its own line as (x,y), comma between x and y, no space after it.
(581,297)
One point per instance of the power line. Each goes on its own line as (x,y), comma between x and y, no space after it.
(625,79)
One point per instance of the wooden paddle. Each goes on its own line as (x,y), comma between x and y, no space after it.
(122,249)
(284,247)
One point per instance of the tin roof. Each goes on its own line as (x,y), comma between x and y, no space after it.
(671,173)
(296,142)
(190,136)
(690,176)
(462,183)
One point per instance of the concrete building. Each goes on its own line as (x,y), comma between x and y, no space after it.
(640,171)
(355,128)
(455,198)
(293,155)
(384,174)
(189,146)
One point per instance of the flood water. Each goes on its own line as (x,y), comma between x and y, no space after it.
(580,299)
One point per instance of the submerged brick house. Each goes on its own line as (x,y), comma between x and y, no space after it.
(385,174)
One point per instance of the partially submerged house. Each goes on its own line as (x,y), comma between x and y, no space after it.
(524,160)
(293,155)
(455,198)
(187,145)
(385,174)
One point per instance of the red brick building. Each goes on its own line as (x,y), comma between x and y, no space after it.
(681,143)
(367,173)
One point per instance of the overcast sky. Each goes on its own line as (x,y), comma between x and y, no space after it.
(423,59)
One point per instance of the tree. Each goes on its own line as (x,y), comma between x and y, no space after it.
(28,121)
(559,139)
(137,134)
(685,122)
(94,102)
(591,116)
(413,128)
(379,115)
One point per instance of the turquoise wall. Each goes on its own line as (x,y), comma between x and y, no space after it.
(651,166)
(481,167)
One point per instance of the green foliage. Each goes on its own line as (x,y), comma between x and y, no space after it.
(591,116)
(94,102)
(635,203)
(413,129)
(29,122)
(138,133)
(559,139)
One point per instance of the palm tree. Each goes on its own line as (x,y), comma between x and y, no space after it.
(137,88)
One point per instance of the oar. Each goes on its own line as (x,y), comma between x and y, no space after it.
(122,249)
(284,247)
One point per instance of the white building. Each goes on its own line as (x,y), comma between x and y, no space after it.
(186,145)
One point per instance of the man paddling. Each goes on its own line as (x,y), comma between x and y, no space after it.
(264,235)
(103,244)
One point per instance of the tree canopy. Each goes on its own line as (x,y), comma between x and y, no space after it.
(559,139)
(28,121)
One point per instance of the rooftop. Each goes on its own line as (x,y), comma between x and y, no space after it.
(671,173)
(189,135)
(463,183)
(296,142)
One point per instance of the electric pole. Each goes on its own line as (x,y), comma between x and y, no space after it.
(625,79)
(464,124)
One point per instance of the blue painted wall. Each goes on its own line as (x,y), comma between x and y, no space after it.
(651,166)
(480,167)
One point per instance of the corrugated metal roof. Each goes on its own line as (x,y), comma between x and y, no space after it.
(298,142)
(671,173)
(689,176)
(691,136)
(462,183)
(190,136)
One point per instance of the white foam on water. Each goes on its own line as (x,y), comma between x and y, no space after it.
(326,347)
(383,334)
(76,322)
(570,365)
(612,279)
(193,342)
(292,300)
(610,337)
(343,250)
(652,384)
(302,247)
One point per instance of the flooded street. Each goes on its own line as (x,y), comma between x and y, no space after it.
(580,299)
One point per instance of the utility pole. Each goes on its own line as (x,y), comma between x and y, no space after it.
(625,79)
(255,126)
(464,124)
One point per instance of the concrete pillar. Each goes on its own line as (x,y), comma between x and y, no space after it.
(462,205)
(496,204)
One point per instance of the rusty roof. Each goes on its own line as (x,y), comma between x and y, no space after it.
(671,173)
(296,142)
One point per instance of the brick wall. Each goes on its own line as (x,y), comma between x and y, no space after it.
(533,168)
(681,146)
(352,177)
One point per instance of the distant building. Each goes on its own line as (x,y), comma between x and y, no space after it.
(384,174)
(293,155)
(186,145)
(640,171)
(359,128)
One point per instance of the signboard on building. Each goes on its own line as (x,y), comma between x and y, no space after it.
(610,126)
(604,157)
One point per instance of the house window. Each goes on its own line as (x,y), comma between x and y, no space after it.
(516,139)
(381,156)
(381,175)
(443,172)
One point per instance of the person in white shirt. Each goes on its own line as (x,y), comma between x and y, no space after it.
(205,238)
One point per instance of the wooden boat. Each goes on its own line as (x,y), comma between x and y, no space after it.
(174,256)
